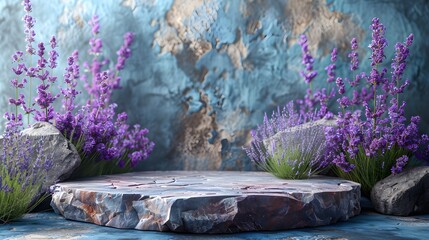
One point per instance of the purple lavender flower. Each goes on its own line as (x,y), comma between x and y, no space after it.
(27,5)
(53,42)
(31,72)
(344,101)
(19,69)
(14,121)
(354,56)
(400,164)
(378,42)
(95,25)
(340,85)
(409,40)
(132,141)
(41,63)
(307,60)
(98,130)
(17,84)
(69,124)
(124,52)
(17,56)
(330,69)
(398,66)
(41,50)
(53,54)
(45,98)
(29,24)
(95,43)
(96,46)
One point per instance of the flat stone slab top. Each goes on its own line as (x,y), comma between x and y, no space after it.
(207,202)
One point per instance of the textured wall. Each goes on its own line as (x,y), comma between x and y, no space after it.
(203,72)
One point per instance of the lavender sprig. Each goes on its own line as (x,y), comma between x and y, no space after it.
(378,42)
(307,60)
(124,52)
(330,69)
(29,24)
(95,42)
(354,56)
(44,98)
(67,122)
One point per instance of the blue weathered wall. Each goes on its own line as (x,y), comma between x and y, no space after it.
(203,73)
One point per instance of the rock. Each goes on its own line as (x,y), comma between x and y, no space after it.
(403,194)
(64,154)
(206,202)
(310,128)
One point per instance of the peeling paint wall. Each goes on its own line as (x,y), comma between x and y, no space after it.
(203,72)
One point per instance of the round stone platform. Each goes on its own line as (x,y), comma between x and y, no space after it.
(206,202)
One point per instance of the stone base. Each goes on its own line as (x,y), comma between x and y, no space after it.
(207,202)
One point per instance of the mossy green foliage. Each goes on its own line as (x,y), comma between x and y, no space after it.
(296,154)
(369,170)
(92,166)
(291,163)
(23,168)
(21,197)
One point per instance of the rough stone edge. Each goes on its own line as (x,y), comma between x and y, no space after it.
(354,209)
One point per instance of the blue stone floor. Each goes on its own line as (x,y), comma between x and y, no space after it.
(368,225)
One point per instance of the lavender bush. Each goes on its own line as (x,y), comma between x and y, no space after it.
(102,137)
(288,148)
(375,140)
(23,168)
(106,143)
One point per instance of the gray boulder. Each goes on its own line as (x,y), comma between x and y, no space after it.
(64,154)
(311,128)
(403,194)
